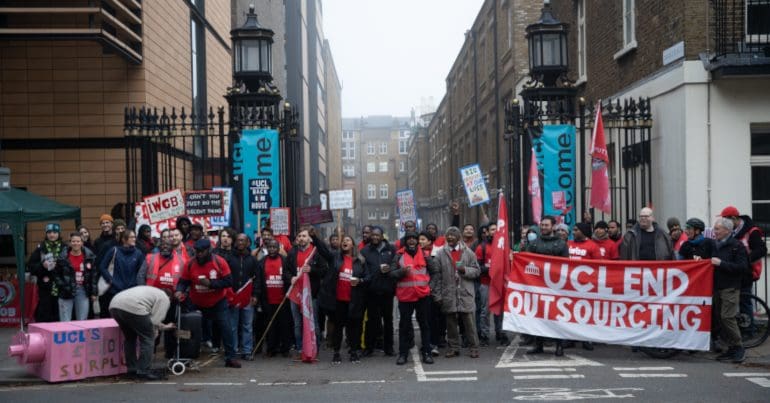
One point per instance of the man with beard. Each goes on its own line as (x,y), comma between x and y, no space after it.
(614,232)
(178,246)
(365,233)
(608,249)
(206,279)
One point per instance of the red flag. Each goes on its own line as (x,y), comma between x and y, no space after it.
(600,181)
(309,348)
(242,297)
(295,291)
(534,190)
(500,263)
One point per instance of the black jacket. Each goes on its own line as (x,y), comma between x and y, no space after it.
(318,268)
(64,274)
(703,247)
(734,264)
(327,296)
(242,268)
(374,280)
(45,279)
(550,245)
(629,248)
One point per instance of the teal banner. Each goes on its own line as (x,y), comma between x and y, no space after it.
(555,154)
(256,160)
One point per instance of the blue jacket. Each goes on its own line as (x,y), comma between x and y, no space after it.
(130,268)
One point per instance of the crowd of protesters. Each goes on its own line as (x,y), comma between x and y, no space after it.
(440,277)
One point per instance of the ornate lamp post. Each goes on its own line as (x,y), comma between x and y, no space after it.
(255,102)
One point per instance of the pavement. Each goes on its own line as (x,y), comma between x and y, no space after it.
(502,373)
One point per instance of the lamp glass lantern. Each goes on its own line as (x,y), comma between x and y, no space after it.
(547,40)
(252,51)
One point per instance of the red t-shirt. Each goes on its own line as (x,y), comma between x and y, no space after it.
(361,245)
(680,242)
(583,250)
(201,295)
(440,241)
(608,249)
(343,281)
(274,280)
(457,254)
(487,260)
(302,257)
(77,264)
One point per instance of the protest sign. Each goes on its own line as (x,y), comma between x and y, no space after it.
(663,304)
(406,207)
(280,220)
(204,203)
(224,219)
(313,215)
(164,206)
(341,199)
(475,187)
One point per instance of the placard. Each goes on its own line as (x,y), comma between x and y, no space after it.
(341,199)
(475,187)
(165,206)
(224,219)
(406,207)
(313,215)
(280,220)
(204,203)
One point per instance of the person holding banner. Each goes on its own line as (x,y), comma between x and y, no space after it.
(410,269)
(608,249)
(459,269)
(243,268)
(731,264)
(271,290)
(548,243)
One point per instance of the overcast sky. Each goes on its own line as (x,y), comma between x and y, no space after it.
(392,54)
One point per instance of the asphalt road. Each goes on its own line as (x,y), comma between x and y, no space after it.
(501,374)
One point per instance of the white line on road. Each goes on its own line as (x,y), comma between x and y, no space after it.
(450,372)
(653,375)
(557,376)
(282,383)
(763,382)
(355,382)
(159,383)
(745,374)
(643,368)
(517,370)
(213,383)
(569,360)
(457,379)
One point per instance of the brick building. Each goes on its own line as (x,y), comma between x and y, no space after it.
(67,73)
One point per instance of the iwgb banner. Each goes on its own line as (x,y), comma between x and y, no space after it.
(665,304)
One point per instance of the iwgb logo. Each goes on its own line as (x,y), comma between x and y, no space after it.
(7,293)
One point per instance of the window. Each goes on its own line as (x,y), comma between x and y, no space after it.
(370,148)
(347,135)
(349,170)
(760,171)
(384,166)
(385,215)
(348,150)
(403,146)
(581,32)
(383,148)
(351,213)
(383,191)
(371,191)
(371,167)
(372,214)
(757,16)
(402,166)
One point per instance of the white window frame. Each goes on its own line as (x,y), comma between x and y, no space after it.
(372,214)
(371,191)
(629,28)
(347,135)
(371,167)
(759,161)
(403,146)
(384,191)
(402,166)
(581,33)
(383,166)
(370,148)
(349,170)
(385,215)
(348,150)
(383,148)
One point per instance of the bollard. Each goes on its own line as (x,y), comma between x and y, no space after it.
(67,351)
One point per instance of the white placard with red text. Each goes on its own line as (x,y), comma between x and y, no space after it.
(165,206)
(665,304)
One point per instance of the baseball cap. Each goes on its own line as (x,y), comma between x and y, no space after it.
(729,211)
(202,244)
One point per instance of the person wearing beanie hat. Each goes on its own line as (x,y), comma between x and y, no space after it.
(105,217)
(608,248)
(562,231)
(676,234)
(41,265)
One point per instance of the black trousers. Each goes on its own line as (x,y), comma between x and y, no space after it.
(437,325)
(379,320)
(279,338)
(350,325)
(133,327)
(405,328)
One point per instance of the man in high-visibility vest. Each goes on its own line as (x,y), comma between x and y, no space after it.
(413,293)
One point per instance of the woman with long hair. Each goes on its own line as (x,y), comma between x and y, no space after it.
(129,268)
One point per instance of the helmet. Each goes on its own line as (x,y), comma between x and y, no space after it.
(696,223)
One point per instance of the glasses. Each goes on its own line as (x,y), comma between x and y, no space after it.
(644,216)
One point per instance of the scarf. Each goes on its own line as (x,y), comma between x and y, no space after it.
(53,248)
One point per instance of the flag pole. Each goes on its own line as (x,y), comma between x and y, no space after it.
(270,324)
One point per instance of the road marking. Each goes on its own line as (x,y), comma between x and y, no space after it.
(653,375)
(745,374)
(508,360)
(516,370)
(763,382)
(354,382)
(213,383)
(422,375)
(548,376)
(159,383)
(564,394)
(253,380)
(282,383)
(643,368)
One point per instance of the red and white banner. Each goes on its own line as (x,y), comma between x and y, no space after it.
(665,304)
(500,262)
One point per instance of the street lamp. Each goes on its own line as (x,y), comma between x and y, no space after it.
(547,40)
(252,52)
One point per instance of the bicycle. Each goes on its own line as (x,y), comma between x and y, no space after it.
(753,333)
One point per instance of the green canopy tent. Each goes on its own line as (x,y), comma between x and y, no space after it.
(17,208)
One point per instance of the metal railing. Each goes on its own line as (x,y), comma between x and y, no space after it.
(741,28)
